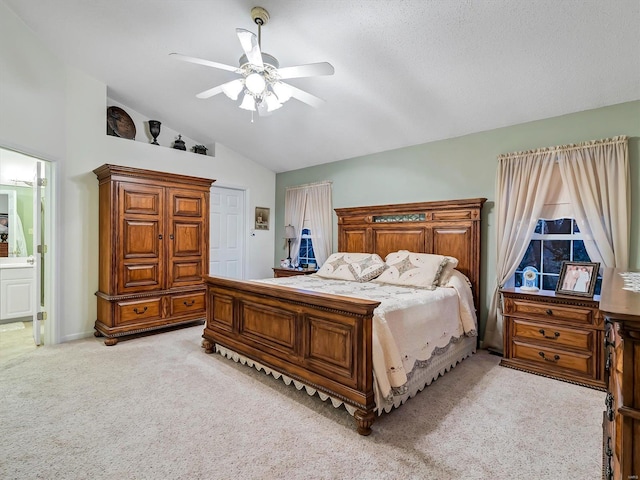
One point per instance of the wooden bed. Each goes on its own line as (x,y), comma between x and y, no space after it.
(324,341)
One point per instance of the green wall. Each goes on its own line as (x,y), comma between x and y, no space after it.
(465,167)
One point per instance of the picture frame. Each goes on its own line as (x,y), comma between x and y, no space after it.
(262,218)
(578,278)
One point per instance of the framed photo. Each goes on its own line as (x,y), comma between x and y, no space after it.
(262,218)
(578,278)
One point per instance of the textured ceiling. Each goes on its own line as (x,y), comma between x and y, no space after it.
(407,71)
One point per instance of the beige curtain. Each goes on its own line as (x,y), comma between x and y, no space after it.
(522,183)
(596,175)
(315,199)
(320,220)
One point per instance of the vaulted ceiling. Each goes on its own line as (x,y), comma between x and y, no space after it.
(406,71)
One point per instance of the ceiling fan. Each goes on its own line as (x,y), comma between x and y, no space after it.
(261,75)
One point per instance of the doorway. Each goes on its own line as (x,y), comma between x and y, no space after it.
(226,232)
(26,313)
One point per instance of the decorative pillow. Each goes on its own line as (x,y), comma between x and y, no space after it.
(358,267)
(420,270)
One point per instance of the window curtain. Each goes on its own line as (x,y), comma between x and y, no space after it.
(596,175)
(316,198)
(522,183)
(320,218)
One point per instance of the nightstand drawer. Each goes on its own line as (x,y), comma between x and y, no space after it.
(550,311)
(555,358)
(570,337)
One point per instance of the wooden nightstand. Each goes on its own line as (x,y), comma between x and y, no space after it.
(290,272)
(555,336)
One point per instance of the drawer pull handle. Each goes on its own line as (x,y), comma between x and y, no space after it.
(160,237)
(554,359)
(549,311)
(554,337)
(188,304)
(138,312)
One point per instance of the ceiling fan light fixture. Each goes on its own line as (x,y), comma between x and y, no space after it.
(255,83)
(272,102)
(232,89)
(248,102)
(261,78)
(282,91)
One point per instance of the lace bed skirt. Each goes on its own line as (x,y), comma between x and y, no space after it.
(422,375)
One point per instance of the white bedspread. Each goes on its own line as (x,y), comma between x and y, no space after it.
(409,325)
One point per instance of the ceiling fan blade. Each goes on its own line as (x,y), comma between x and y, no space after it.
(305,97)
(249,43)
(206,63)
(309,70)
(216,90)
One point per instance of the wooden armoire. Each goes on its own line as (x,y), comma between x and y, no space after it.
(153,252)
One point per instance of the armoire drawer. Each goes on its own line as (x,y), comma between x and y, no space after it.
(137,310)
(553,334)
(190,303)
(555,358)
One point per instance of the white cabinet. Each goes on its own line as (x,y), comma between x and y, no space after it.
(16,291)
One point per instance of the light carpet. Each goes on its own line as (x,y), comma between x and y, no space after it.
(158,407)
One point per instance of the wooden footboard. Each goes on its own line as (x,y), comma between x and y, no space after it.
(321,340)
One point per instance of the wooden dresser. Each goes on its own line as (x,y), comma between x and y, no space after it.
(556,336)
(621,423)
(153,252)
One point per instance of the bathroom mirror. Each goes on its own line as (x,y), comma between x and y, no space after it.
(8,222)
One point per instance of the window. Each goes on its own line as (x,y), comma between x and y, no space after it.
(553,242)
(306,255)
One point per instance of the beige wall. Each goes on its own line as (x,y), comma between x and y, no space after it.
(58,113)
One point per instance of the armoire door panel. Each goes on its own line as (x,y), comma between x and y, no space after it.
(141,238)
(140,276)
(187,239)
(186,272)
(140,199)
(187,204)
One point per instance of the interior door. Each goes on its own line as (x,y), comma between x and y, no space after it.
(38,252)
(226,239)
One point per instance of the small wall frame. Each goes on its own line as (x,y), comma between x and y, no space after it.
(262,218)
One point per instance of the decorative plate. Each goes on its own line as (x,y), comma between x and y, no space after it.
(119,123)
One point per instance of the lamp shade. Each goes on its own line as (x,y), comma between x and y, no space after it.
(289,232)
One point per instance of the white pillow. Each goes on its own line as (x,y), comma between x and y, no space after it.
(358,267)
(420,270)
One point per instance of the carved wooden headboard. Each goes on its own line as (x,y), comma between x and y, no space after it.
(444,227)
